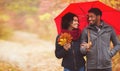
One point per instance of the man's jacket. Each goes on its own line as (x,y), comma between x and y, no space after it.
(99,56)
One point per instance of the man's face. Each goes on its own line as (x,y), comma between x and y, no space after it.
(92,18)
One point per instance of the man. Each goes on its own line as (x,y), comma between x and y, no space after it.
(96,40)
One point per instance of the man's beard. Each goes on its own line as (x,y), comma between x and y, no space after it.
(92,24)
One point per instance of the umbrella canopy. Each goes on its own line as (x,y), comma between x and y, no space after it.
(109,15)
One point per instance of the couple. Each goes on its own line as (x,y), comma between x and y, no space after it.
(93,42)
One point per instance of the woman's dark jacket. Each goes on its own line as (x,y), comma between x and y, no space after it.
(72,59)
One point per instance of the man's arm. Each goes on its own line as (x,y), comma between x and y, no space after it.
(116,43)
(83,40)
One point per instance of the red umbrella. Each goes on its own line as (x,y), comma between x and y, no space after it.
(110,15)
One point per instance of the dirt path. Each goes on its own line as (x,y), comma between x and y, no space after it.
(30,53)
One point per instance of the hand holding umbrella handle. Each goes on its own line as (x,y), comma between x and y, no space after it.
(89,46)
(86,46)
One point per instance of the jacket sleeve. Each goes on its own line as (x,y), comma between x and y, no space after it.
(116,43)
(60,52)
(83,40)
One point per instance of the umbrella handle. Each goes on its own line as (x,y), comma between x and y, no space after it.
(89,42)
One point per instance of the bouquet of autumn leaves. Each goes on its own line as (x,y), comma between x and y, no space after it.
(64,38)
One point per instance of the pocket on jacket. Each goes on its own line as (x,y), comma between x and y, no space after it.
(109,52)
(107,58)
(107,55)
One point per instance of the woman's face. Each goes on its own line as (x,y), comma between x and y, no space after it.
(74,24)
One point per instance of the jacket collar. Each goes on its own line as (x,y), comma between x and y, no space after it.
(104,28)
(103,25)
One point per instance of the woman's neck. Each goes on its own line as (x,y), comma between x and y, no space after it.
(70,28)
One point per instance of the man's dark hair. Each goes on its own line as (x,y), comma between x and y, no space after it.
(66,20)
(96,11)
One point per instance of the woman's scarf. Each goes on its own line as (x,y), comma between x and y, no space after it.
(74,33)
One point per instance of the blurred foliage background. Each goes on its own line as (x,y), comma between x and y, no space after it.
(37,16)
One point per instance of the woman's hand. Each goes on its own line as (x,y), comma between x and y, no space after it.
(67,46)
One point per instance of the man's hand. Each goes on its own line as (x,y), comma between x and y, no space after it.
(85,45)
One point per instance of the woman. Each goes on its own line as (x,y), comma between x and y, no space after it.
(72,59)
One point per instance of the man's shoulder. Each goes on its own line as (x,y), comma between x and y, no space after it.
(107,25)
(85,28)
